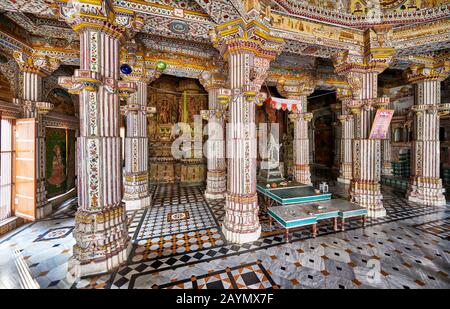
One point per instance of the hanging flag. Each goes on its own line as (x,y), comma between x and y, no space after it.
(283,104)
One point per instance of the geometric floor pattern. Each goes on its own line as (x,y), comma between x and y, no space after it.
(409,248)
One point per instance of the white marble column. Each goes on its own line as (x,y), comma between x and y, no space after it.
(302,173)
(33,69)
(216,179)
(136,173)
(361,71)
(425,185)
(347,131)
(135,179)
(248,62)
(386,168)
(101,233)
(299,89)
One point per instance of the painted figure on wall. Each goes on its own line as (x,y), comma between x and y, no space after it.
(58,174)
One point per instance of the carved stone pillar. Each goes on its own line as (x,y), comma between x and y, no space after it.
(101,234)
(216,181)
(425,186)
(33,68)
(336,109)
(248,61)
(346,118)
(362,72)
(136,174)
(299,89)
(386,167)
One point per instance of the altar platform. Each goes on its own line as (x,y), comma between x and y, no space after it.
(289,192)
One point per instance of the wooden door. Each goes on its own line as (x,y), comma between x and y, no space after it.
(25,168)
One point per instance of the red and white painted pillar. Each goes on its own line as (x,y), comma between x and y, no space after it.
(425,186)
(101,233)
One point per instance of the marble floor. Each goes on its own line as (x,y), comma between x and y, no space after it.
(177,243)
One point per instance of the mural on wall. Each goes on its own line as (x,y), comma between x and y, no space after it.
(61,100)
(60,161)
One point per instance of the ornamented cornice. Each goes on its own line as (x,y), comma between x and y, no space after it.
(296,87)
(376,57)
(241,36)
(100,14)
(39,64)
(215,77)
(428,68)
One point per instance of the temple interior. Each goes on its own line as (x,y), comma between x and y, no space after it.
(224,144)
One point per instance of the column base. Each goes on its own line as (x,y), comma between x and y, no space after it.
(426,191)
(215,195)
(78,270)
(137,204)
(44,211)
(241,238)
(368,195)
(302,174)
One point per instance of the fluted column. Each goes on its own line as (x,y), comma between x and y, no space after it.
(299,89)
(101,233)
(362,72)
(216,179)
(425,186)
(33,69)
(136,173)
(346,119)
(248,62)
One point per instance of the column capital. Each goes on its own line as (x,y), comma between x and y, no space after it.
(429,68)
(376,56)
(38,64)
(343,94)
(135,56)
(239,36)
(215,77)
(100,14)
(296,87)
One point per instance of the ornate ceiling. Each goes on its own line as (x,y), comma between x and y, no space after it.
(177,31)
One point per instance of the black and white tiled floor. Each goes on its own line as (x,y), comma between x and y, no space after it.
(177,243)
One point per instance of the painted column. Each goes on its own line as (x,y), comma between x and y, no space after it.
(425,186)
(362,72)
(101,233)
(248,63)
(216,181)
(346,118)
(386,167)
(33,69)
(136,173)
(337,130)
(299,90)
